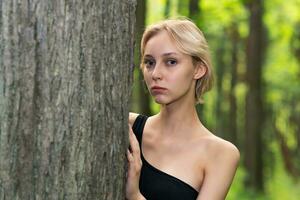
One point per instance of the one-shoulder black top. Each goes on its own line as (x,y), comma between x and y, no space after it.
(156,184)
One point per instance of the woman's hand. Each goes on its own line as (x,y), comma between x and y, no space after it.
(134,169)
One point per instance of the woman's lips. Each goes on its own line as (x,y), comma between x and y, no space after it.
(157,89)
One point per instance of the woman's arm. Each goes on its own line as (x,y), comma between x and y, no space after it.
(134,164)
(132,118)
(219,171)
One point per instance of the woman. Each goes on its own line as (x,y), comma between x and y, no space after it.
(172,155)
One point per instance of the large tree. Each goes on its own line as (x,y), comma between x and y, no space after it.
(65,80)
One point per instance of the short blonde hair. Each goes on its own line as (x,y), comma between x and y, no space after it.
(189,40)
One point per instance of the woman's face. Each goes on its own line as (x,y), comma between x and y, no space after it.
(169,74)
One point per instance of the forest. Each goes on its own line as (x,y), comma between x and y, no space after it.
(68,82)
(255,101)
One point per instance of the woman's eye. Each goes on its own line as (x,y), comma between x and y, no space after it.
(171,62)
(149,63)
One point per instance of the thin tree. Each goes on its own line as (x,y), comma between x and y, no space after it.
(232,123)
(254,103)
(182,7)
(167,8)
(143,97)
(195,14)
(220,72)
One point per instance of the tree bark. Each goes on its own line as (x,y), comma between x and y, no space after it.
(63,118)
(254,104)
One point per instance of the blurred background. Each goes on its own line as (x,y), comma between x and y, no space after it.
(255,47)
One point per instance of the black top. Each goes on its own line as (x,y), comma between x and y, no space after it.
(156,184)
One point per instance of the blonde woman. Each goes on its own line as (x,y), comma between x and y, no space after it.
(172,155)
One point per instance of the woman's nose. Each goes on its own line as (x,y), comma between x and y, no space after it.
(157,72)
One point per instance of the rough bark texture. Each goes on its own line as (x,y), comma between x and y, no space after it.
(65,78)
(254,103)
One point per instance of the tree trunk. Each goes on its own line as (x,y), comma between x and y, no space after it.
(220,70)
(194,14)
(287,155)
(194,9)
(143,97)
(232,130)
(182,7)
(295,47)
(254,106)
(167,9)
(295,152)
(63,118)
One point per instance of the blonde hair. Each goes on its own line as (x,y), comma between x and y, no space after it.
(189,40)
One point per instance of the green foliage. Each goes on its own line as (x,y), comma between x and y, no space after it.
(282,71)
(237,191)
(281,186)
(281,81)
(278,186)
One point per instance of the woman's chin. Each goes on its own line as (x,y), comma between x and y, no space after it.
(160,101)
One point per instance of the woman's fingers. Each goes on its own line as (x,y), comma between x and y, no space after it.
(129,156)
(133,155)
(134,167)
(134,144)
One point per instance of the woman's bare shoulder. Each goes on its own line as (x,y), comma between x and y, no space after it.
(220,164)
(132,117)
(216,146)
(221,149)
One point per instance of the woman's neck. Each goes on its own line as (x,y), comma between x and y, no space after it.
(178,118)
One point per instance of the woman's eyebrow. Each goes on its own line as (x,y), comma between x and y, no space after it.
(169,54)
(163,55)
(148,56)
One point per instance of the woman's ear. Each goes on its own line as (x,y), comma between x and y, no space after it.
(200,70)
